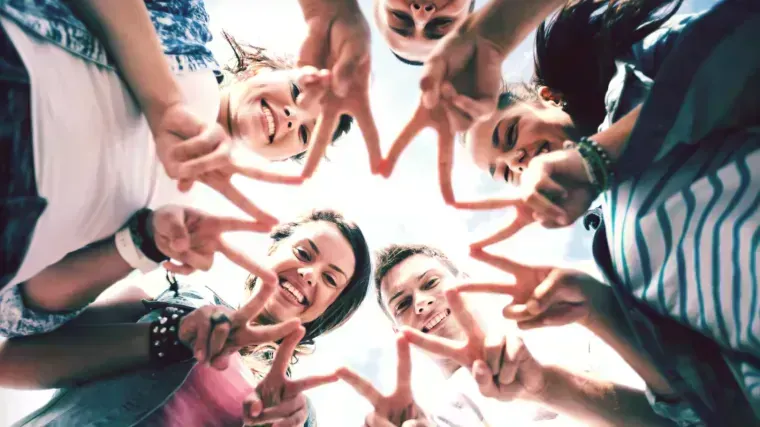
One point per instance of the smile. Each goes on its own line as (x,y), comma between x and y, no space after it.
(436,320)
(270,122)
(292,293)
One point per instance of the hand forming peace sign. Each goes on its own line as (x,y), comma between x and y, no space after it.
(192,237)
(544,296)
(436,119)
(505,370)
(278,401)
(215,332)
(396,409)
(338,39)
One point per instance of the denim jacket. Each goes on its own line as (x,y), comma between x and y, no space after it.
(182,27)
(128,399)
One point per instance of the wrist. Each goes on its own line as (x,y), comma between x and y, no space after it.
(155,108)
(600,299)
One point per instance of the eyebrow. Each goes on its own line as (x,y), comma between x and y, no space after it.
(333,266)
(401,292)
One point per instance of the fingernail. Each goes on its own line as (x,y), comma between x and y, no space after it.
(199,355)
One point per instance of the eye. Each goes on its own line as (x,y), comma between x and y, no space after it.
(294,91)
(404,18)
(430,284)
(302,254)
(330,281)
(402,305)
(512,136)
(303,133)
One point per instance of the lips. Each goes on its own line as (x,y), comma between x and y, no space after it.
(436,321)
(293,292)
(268,121)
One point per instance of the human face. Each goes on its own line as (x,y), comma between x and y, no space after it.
(264,114)
(412,27)
(314,265)
(505,144)
(413,294)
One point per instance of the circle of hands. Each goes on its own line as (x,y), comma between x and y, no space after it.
(459,87)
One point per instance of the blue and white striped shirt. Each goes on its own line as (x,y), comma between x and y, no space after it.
(683,220)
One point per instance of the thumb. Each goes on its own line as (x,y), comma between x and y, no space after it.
(179,239)
(252,407)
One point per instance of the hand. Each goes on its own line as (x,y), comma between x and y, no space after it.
(215,332)
(504,370)
(277,400)
(556,187)
(338,39)
(436,119)
(398,407)
(192,237)
(186,145)
(544,296)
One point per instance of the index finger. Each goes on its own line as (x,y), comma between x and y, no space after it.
(404,366)
(239,258)
(226,189)
(419,121)
(493,288)
(463,315)
(257,302)
(502,263)
(363,115)
(286,349)
(262,174)
(517,224)
(445,159)
(434,344)
(361,385)
(322,134)
(312,381)
(225,224)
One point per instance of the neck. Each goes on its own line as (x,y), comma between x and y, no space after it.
(223,117)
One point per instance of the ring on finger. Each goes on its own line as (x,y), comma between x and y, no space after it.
(217,318)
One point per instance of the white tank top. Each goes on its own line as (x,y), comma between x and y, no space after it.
(94,156)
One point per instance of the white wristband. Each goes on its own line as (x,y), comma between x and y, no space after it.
(131,253)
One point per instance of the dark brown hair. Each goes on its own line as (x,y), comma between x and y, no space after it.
(393,255)
(575,50)
(249,60)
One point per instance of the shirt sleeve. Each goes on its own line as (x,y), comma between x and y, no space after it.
(677,411)
(18,320)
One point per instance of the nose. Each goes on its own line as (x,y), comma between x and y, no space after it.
(517,161)
(294,117)
(422,12)
(307,274)
(423,304)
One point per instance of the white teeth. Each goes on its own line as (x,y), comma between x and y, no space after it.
(293,291)
(270,119)
(436,320)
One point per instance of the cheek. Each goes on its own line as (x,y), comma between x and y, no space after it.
(324,299)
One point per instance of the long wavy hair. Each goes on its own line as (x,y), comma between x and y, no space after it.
(259,358)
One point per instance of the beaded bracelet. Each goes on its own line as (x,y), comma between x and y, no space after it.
(598,163)
(165,346)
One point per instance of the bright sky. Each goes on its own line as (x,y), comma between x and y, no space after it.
(407,208)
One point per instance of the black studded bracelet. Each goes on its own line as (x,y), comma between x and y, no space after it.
(598,163)
(165,345)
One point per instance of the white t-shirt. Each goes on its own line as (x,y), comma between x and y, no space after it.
(94,155)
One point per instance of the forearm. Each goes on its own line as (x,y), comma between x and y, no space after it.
(597,403)
(608,322)
(76,280)
(72,355)
(507,22)
(124,26)
(615,138)
(312,8)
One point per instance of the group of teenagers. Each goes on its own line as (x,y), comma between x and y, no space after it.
(114,109)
